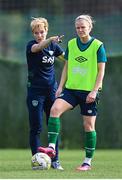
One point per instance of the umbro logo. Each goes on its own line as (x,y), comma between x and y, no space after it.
(80,59)
(89,111)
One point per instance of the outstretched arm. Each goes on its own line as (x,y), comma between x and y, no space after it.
(43,44)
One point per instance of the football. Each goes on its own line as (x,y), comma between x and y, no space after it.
(41,161)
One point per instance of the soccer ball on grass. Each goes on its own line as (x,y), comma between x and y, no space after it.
(41,161)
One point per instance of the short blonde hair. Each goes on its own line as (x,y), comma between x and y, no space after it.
(86,17)
(39,22)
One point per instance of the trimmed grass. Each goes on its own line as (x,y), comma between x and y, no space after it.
(107,164)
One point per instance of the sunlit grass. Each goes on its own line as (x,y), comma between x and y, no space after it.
(17,164)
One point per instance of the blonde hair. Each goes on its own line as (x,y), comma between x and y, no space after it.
(86,17)
(39,22)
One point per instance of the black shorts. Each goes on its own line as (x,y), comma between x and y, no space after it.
(78,97)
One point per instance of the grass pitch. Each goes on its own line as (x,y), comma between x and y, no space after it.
(16,164)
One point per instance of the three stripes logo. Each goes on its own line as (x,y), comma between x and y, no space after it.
(81,59)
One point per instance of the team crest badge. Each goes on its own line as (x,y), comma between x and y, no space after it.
(35,103)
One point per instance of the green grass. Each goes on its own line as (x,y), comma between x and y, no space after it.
(107,164)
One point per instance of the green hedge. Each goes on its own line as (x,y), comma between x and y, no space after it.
(13,112)
(14,117)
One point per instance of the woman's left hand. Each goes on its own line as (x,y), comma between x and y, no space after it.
(91,96)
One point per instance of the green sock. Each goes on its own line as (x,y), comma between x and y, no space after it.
(90,143)
(53,129)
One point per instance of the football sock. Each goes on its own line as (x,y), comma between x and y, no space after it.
(51,145)
(90,144)
(87,161)
(53,130)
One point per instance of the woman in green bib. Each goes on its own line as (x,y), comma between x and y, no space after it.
(80,83)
